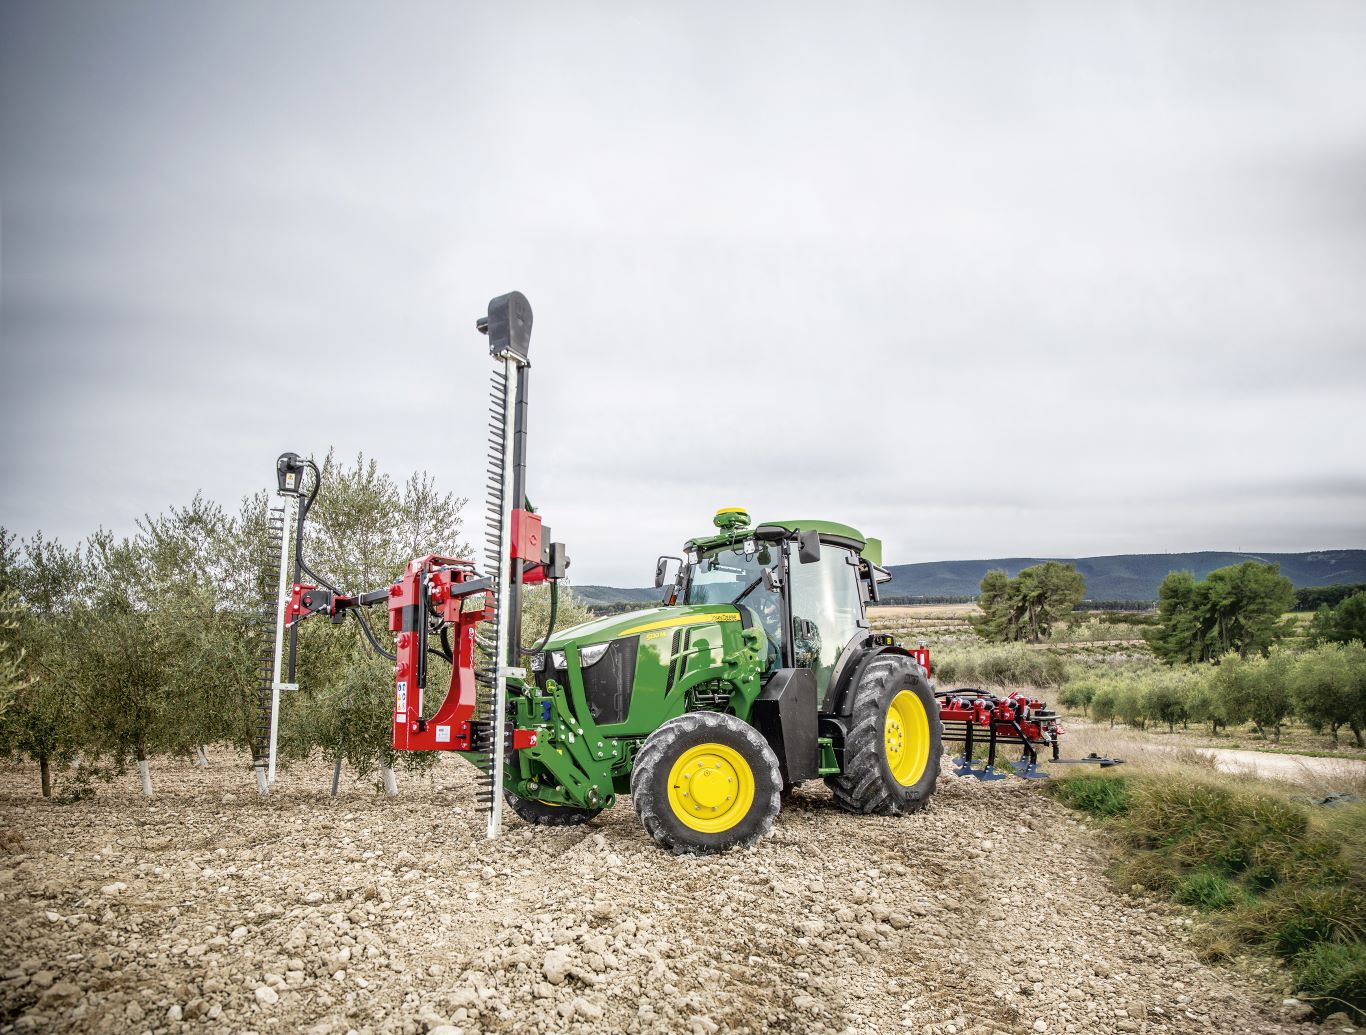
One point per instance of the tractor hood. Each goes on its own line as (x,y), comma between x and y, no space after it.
(651,619)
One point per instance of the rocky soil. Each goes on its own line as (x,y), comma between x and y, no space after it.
(208,909)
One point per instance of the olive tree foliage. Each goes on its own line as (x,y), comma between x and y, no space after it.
(13,677)
(1167,700)
(1256,690)
(1204,702)
(41,581)
(1027,606)
(164,663)
(1329,687)
(1239,608)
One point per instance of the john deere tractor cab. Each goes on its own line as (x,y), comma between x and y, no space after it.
(758,672)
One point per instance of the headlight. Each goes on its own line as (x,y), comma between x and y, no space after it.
(537,663)
(590,655)
(557,659)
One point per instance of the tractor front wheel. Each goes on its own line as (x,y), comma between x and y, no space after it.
(706,782)
(891,755)
(544,814)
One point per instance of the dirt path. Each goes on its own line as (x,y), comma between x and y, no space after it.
(209,910)
(1284,766)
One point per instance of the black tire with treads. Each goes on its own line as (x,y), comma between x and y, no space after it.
(650,779)
(543,815)
(867,785)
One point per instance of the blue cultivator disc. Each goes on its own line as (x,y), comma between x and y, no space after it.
(1027,770)
(986,773)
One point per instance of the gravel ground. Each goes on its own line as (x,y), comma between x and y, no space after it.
(207,909)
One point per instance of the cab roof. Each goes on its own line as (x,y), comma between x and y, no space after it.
(845,535)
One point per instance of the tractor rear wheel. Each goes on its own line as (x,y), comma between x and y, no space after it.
(544,814)
(706,782)
(891,754)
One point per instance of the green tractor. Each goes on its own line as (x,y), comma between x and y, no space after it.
(756,674)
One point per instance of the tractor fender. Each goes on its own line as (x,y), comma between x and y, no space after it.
(839,696)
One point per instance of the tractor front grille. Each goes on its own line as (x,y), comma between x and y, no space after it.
(607,682)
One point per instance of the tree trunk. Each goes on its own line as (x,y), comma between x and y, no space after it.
(1277,738)
(262,787)
(1356,732)
(201,756)
(336,775)
(390,782)
(45,776)
(1336,726)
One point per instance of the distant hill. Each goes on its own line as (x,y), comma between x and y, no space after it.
(1128,576)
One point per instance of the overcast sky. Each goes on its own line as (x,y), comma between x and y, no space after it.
(983,279)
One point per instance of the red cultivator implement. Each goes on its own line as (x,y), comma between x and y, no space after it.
(978,719)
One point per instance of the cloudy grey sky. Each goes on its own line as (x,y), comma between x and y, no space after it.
(1048,278)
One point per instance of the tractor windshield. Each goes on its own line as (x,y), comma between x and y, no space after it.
(720,577)
(728,576)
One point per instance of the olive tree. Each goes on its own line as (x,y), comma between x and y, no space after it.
(41,582)
(1329,687)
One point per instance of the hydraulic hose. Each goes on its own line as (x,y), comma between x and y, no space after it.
(369,635)
(304,508)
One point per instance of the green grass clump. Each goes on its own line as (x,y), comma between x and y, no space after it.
(1099,796)
(1293,919)
(1333,977)
(1206,891)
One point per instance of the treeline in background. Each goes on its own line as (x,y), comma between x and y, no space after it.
(1224,652)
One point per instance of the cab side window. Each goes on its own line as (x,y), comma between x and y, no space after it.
(826,610)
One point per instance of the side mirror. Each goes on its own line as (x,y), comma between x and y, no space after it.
(809,547)
(662,570)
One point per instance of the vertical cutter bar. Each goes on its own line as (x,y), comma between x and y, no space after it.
(511,370)
(282,604)
(518,439)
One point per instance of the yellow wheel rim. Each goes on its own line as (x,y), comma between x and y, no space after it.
(906,735)
(711,788)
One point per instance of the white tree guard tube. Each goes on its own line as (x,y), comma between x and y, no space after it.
(390,780)
(145,771)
